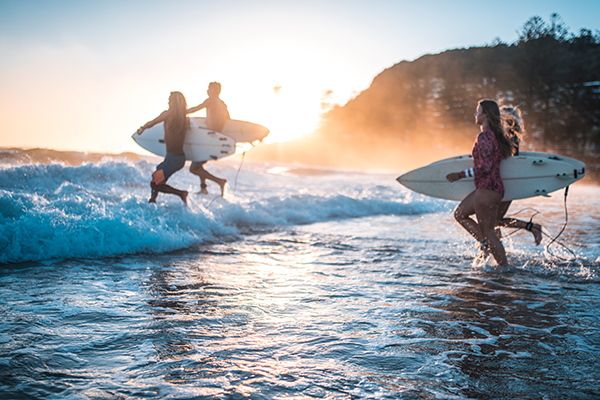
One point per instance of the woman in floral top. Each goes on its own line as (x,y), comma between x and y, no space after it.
(489,149)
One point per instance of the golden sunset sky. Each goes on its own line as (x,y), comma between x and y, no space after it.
(84,75)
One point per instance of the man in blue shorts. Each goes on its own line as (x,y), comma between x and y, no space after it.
(216,115)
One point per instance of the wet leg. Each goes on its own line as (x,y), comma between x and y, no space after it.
(535,229)
(153,193)
(204,175)
(486,209)
(164,188)
(463,213)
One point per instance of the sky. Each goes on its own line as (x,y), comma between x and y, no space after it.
(84,75)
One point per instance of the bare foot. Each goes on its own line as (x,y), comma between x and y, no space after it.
(202,188)
(484,250)
(223,184)
(184,196)
(536,230)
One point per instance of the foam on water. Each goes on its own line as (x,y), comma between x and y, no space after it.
(302,283)
(60,211)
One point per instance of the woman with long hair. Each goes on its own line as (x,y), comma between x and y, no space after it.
(515,130)
(176,125)
(489,149)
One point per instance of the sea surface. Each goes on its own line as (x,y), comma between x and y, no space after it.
(302,283)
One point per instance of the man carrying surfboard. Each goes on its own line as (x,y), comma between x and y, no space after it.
(216,115)
(176,125)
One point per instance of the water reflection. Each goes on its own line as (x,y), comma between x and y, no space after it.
(510,335)
(179,303)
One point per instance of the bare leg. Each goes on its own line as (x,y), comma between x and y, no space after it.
(199,170)
(462,214)
(164,188)
(203,187)
(486,209)
(153,194)
(535,229)
(502,209)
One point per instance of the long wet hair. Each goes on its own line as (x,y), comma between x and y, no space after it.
(492,111)
(178,121)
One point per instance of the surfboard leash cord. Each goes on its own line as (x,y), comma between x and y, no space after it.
(238,172)
(235,181)
(553,240)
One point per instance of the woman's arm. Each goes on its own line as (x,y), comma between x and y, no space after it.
(161,118)
(455,176)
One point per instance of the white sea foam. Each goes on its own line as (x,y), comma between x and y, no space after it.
(302,282)
(60,211)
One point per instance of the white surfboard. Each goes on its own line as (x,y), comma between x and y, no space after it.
(240,131)
(529,174)
(199,145)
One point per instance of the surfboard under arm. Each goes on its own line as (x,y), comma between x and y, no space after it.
(199,144)
(529,174)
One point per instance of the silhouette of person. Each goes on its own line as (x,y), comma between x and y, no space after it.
(490,147)
(176,125)
(216,115)
(515,130)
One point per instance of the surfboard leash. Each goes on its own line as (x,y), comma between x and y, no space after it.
(235,181)
(555,239)
(238,171)
(536,212)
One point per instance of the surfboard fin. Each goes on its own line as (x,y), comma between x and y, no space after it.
(542,192)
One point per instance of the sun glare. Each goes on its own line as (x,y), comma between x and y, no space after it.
(289,113)
(280,88)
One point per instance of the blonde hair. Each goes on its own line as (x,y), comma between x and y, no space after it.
(513,120)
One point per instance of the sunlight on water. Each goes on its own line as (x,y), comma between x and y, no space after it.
(304,283)
(278,170)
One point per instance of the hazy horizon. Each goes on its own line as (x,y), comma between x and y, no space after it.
(84,76)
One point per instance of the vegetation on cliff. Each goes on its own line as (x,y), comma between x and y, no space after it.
(417,111)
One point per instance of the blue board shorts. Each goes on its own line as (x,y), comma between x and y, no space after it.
(171,164)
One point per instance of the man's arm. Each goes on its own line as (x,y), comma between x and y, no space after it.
(198,107)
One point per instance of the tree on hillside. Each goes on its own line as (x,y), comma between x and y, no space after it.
(559,82)
(553,75)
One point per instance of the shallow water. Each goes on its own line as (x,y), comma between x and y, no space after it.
(302,283)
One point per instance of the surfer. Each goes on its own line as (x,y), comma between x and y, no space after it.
(216,115)
(489,149)
(176,125)
(515,130)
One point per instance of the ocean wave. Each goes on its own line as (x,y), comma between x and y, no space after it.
(15,156)
(59,211)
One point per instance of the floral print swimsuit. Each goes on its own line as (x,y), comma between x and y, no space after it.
(486,162)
